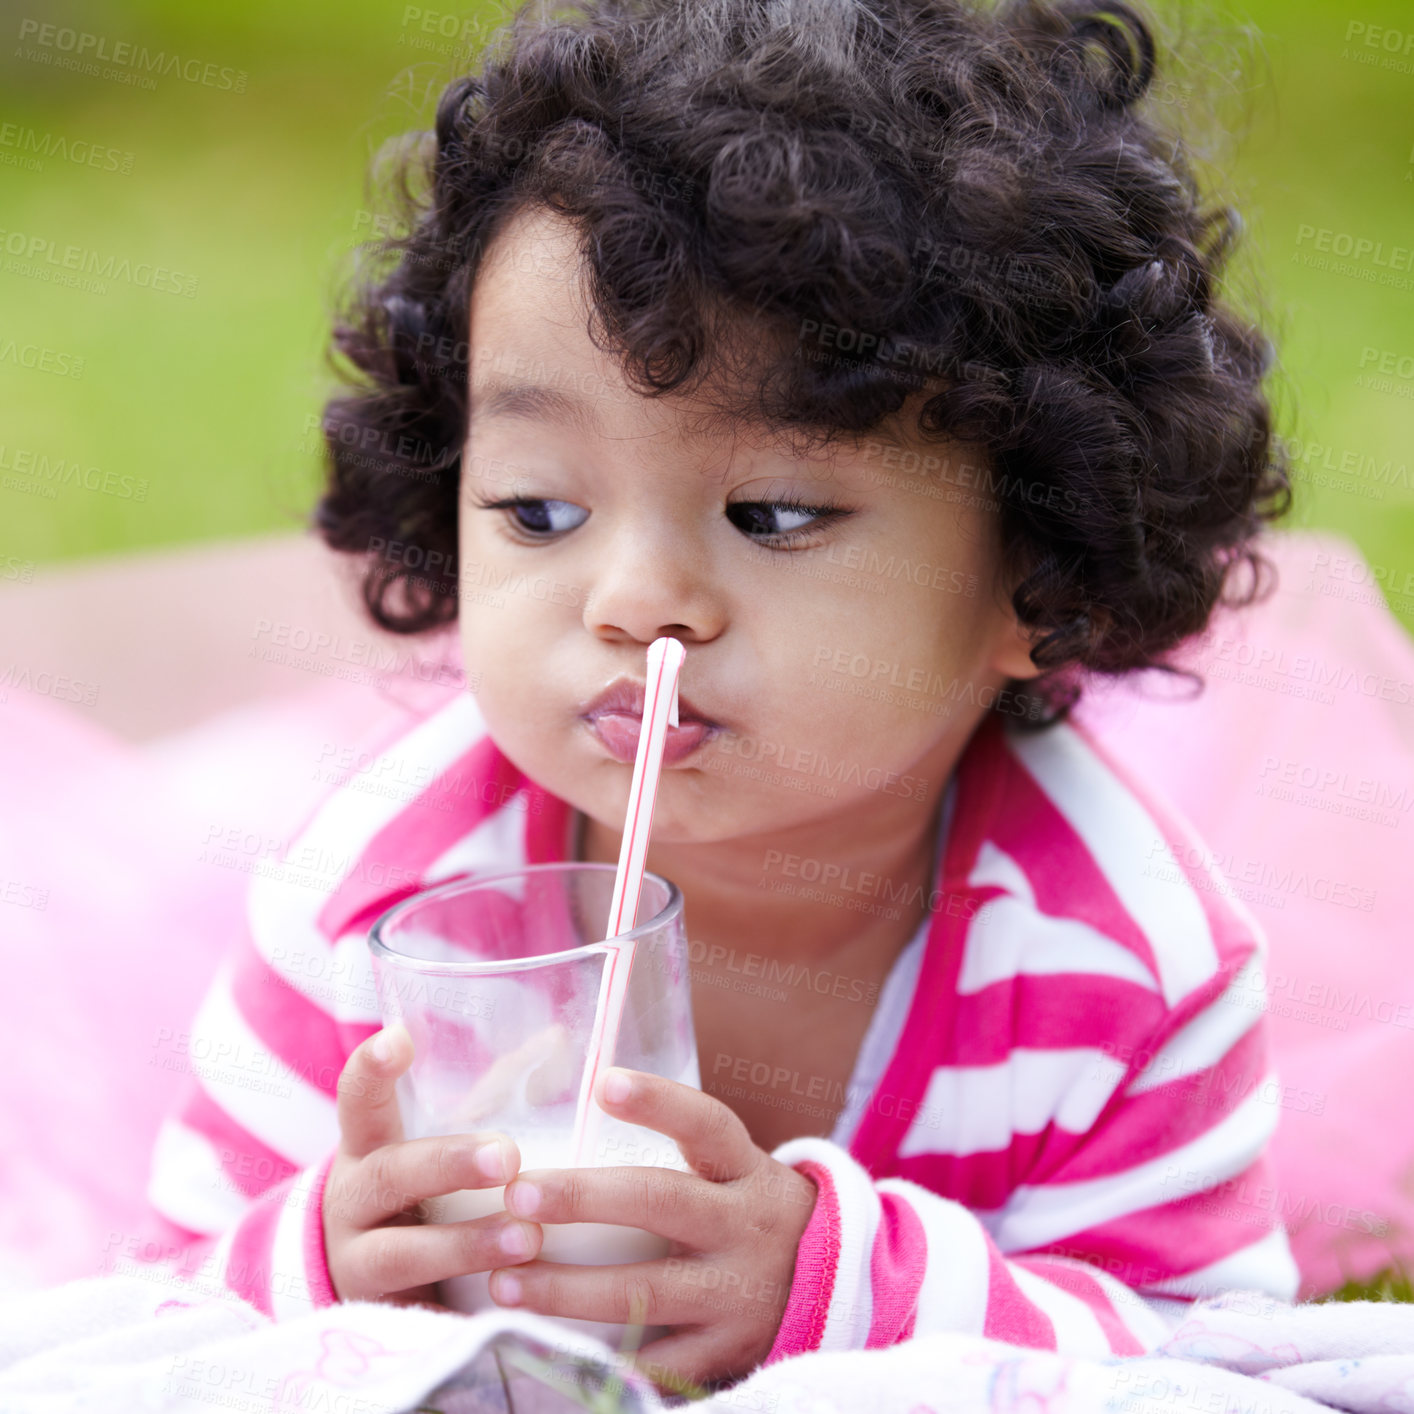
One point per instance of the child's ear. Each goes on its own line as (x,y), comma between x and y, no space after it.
(1012,653)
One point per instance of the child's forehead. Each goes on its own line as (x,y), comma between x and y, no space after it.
(531,363)
(521,400)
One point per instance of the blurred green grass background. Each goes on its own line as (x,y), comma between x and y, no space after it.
(255,198)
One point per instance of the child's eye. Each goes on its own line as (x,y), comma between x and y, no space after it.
(780,520)
(768,522)
(540,517)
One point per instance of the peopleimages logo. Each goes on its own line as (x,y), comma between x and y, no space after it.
(136,64)
(42,251)
(47,473)
(22,146)
(41,358)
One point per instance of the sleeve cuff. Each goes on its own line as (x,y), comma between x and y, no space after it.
(316,1259)
(274,1258)
(817,1260)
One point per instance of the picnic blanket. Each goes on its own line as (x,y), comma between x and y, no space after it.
(118,1343)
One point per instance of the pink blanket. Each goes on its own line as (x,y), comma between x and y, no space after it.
(1296,763)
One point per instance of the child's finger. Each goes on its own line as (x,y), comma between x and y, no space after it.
(392,1259)
(398,1177)
(709,1134)
(632,1293)
(367,1098)
(678,1206)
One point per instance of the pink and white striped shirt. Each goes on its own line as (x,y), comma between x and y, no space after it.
(1057,1123)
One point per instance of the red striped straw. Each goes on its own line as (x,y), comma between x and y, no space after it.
(660,707)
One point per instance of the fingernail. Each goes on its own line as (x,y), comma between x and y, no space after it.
(617,1086)
(382,1047)
(516,1240)
(505,1289)
(494,1160)
(523,1199)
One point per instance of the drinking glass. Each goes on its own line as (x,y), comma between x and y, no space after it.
(497,978)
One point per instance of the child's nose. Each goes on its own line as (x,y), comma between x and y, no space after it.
(650,587)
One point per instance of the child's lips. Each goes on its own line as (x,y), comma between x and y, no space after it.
(615,717)
(618,731)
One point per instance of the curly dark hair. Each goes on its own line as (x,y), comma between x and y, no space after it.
(912,195)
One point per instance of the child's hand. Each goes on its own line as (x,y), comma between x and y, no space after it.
(377,1245)
(735,1224)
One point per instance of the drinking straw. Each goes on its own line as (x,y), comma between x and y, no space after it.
(660,706)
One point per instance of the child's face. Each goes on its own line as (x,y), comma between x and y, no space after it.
(818,654)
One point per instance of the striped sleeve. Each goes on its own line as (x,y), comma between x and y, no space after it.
(881,1262)
(1070,1140)
(272,1256)
(1095,1258)
(238,1171)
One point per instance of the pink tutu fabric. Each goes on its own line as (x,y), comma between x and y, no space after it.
(1295,763)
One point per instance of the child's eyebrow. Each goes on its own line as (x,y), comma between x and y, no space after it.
(531,402)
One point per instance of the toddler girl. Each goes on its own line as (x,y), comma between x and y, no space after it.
(871,349)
